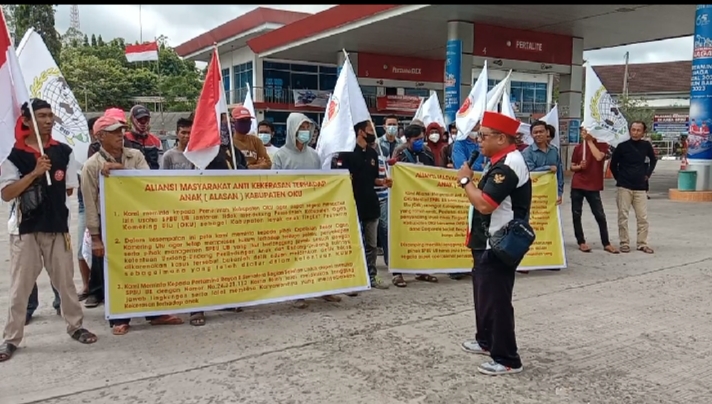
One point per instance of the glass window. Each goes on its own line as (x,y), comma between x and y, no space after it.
(391,91)
(277,84)
(327,82)
(302,81)
(243,76)
(305,68)
(369,94)
(327,70)
(418,92)
(275,66)
(226,80)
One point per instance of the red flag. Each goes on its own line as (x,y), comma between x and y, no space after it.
(204,141)
(13,91)
(145,52)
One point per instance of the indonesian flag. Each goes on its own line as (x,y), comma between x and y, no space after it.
(204,142)
(13,92)
(145,52)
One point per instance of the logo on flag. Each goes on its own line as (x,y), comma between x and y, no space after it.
(331,110)
(465,107)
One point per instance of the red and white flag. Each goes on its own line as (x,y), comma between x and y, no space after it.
(204,142)
(145,52)
(13,92)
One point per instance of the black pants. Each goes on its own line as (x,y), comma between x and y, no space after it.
(594,201)
(96,278)
(492,284)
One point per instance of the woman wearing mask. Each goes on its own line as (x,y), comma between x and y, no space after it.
(436,142)
(265,131)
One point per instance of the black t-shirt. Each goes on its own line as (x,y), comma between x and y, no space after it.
(363,166)
(506,185)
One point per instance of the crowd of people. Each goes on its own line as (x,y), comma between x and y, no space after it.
(39,230)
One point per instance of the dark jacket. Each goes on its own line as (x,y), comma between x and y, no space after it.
(628,164)
(363,166)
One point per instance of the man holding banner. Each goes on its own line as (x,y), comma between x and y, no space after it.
(503,194)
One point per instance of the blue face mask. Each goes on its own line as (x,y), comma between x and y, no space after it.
(392,130)
(304,136)
(418,145)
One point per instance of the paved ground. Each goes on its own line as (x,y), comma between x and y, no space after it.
(611,329)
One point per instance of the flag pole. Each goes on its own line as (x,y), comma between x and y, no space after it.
(158,76)
(227,113)
(140,25)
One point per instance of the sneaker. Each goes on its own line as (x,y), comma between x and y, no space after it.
(474,347)
(377,283)
(495,369)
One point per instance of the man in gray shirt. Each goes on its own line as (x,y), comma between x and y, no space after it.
(174,159)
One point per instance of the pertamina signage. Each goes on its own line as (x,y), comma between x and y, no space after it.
(400,68)
(515,44)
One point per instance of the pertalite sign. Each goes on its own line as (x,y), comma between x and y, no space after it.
(671,123)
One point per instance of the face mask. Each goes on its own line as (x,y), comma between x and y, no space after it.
(392,130)
(473,135)
(370,138)
(265,137)
(304,136)
(418,145)
(434,137)
(243,126)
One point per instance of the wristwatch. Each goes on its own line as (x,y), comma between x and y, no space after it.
(464,181)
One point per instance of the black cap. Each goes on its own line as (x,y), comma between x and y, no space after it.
(139,111)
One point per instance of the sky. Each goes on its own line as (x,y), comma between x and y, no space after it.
(111,21)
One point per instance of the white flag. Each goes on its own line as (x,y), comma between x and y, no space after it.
(430,111)
(472,109)
(45,81)
(552,118)
(250,107)
(345,109)
(601,116)
(494,96)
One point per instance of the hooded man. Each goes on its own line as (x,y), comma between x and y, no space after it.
(148,143)
(296,153)
(437,142)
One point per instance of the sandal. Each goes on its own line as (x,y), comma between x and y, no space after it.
(6,351)
(331,298)
(121,329)
(83,336)
(83,296)
(197,319)
(625,249)
(646,249)
(399,282)
(610,249)
(426,278)
(166,320)
(584,248)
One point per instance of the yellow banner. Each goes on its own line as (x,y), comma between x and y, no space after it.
(427,222)
(180,242)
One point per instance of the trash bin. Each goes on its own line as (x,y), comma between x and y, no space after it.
(686,180)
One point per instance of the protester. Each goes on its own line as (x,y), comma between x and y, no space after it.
(82,226)
(43,237)
(447,150)
(382,192)
(140,135)
(362,163)
(251,146)
(540,156)
(587,162)
(502,194)
(631,173)
(389,141)
(265,131)
(414,151)
(111,156)
(297,155)
(224,129)
(436,142)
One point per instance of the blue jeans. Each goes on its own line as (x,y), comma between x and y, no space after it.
(34,302)
(383,230)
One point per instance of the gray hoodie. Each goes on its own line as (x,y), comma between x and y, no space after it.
(289,157)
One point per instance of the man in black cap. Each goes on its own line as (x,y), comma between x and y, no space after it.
(43,239)
(149,144)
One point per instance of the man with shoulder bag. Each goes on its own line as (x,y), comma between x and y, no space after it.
(499,237)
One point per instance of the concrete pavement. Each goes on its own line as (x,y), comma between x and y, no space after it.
(632,328)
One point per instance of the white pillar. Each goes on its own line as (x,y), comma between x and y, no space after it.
(460,38)
(570,101)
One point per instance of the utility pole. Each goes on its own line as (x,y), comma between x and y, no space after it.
(625,76)
(140,25)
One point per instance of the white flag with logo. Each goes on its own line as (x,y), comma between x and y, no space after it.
(44,80)
(494,96)
(250,107)
(601,116)
(472,109)
(430,111)
(345,109)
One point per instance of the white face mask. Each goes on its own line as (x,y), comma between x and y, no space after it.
(434,137)
(392,130)
(474,135)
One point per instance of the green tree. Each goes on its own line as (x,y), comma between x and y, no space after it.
(100,41)
(635,109)
(41,18)
(93,40)
(9,11)
(85,42)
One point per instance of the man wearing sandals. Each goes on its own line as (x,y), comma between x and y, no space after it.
(587,162)
(414,151)
(628,166)
(43,239)
(112,155)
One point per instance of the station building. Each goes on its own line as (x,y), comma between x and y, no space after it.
(402,52)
